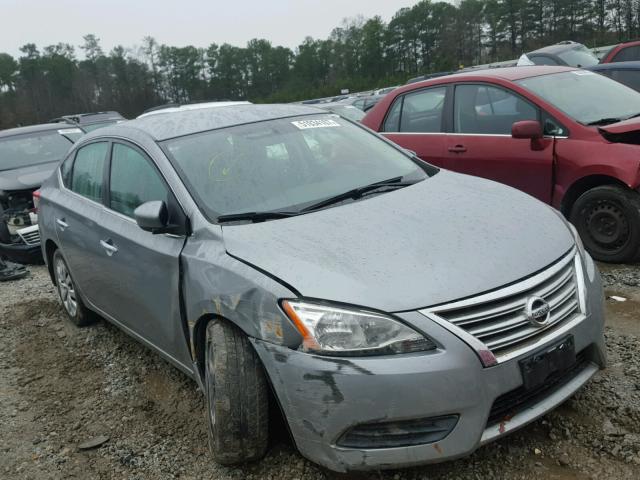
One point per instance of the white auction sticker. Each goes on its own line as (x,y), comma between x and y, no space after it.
(304,124)
(66,131)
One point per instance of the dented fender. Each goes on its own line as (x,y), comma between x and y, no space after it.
(217,285)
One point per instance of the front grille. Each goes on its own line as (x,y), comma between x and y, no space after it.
(500,322)
(30,235)
(519,399)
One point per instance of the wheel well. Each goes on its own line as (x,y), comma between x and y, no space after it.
(50,247)
(279,422)
(583,185)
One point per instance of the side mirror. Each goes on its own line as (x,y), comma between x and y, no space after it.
(530,129)
(152,216)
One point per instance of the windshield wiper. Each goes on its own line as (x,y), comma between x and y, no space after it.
(254,216)
(605,121)
(359,192)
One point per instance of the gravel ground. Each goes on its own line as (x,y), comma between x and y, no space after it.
(61,386)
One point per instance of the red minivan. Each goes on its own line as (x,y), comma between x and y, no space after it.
(569,137)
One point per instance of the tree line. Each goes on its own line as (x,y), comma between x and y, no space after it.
(43,83)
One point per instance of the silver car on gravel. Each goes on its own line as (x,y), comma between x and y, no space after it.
(394,313)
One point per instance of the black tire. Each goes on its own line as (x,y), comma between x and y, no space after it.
(237,396)
(608,221)
(80,315)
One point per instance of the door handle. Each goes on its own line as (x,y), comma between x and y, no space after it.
(458,149)
(62,224)
(108,247)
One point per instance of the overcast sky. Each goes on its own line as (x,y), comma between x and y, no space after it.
(178,22)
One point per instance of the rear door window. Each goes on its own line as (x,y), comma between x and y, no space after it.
(628,54)
(483,109)
(422,111)
(133,180)
(88,171)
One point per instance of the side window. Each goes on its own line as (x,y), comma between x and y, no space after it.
(422,111)
(392,122)
(133,181)
(88,171)
(482,109)
(627,54)
(631,78)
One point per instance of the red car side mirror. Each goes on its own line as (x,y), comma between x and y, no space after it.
(530,129)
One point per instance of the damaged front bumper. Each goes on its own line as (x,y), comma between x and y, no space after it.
(418,408)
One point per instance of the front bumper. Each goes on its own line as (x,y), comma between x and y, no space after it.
(323,397)
(22,253)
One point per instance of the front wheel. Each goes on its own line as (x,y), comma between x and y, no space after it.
(237,396)
(608,221)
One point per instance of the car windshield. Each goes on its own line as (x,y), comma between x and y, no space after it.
(579,56)
(32,149)
(573,91)
(285,164)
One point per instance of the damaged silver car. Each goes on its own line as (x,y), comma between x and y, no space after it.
(395,313)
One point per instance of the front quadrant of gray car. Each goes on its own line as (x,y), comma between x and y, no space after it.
(401,314)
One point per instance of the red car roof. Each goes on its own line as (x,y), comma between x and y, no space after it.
(507,73)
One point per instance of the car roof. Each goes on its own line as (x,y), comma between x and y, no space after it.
(556,48)
(634,65)
(171,108)
(32,129)
(187,122)
(506,73)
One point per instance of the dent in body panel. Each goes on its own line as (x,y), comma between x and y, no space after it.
(216,284)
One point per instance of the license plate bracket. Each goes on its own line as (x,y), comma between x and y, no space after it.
(540,366)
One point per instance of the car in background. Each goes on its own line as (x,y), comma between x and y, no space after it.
(532,128)
(177,107)
(384,91)
(568,53)
(397,314)
(28,155)
(627,73)
(347,111)
(623,52)
(90,121)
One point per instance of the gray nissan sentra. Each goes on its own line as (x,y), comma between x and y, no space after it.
(395,313)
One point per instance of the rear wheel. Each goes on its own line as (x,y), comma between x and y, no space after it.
(608,221)
(237,396)
(71,301)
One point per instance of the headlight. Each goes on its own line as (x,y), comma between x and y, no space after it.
(340,331)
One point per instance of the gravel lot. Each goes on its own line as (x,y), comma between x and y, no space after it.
(61,386)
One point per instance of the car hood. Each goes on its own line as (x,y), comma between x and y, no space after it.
(26,178)
(625,126)
(448,237)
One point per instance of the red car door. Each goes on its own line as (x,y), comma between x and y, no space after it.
(415,122)
(481,143)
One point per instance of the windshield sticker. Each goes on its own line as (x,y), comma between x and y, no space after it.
(304,124)
(66,131)
(582,72)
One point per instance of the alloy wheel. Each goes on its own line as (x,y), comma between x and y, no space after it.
(66,288)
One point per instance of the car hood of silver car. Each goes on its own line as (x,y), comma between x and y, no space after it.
(448,237)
